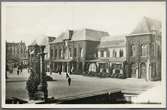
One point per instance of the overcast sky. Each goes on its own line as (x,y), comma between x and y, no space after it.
(28,21)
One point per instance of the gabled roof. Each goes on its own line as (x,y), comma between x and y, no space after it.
(147,25)
(112,41)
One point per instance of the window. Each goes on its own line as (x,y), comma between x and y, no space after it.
(102,53)
(51,53)
(99,54)
(81,52)
(121,53)
(114,53)
(75,52)
(110,53)
(144,50)
(105,54)
(133,50)
(60,53)
(70,52)
(55,53)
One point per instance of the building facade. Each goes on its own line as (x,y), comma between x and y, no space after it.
(144,50)
(16,53)
(72,50)
(87,51)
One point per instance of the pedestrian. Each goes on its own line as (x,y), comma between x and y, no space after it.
(18,71)
(69,81)
(67,75)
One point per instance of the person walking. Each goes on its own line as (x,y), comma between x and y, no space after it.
(69,81)
(18,69)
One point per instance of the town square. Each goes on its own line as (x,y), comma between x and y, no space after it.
(73,53)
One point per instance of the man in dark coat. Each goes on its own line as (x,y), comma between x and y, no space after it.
(69,81)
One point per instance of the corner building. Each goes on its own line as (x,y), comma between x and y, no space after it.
(144,50)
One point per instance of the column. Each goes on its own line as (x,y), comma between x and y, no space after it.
(107,68)
(83,67)
(62,67)
(147,70)
(137,71)
(68,71)
(97,67)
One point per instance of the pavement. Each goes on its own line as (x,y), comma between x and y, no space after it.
(58,88)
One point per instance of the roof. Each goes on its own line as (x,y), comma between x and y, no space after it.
(147,25)
(62,36)
(88,34)
(83,34)
(112,41)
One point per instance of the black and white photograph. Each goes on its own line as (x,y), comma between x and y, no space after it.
(83,54)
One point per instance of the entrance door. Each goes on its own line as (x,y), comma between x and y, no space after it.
(143,71)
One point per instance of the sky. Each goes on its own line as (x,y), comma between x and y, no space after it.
(28,21)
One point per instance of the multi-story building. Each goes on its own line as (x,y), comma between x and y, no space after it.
(136,55)
(72,50)
(144,50)
(16,53)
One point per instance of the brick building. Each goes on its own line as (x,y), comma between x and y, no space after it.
(144,50)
